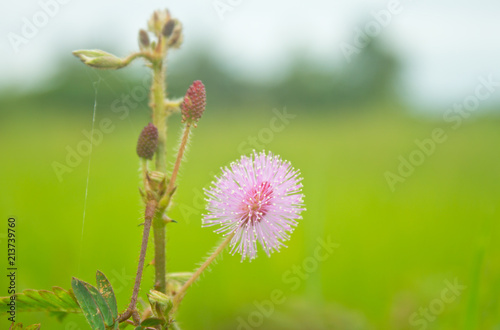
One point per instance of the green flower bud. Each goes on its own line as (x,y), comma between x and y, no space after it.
(160,300)
(99,59)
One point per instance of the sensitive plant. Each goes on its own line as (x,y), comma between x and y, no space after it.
(256,200)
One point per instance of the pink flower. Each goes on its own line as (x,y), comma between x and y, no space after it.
(259,199)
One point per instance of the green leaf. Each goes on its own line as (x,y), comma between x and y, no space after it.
(101,305)
(33,327)
(50,297)
(107,293)
(59,300)
(123,325)
(37,296)
(67,297)
(151,322)
(87,303)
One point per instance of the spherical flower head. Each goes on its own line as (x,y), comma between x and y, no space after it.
(148,142)
(259,199)
(194,103)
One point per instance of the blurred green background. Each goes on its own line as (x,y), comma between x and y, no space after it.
(398,249)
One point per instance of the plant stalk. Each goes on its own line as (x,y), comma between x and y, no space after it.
(150,210)
(158,95)
(180,154)
(160,261)
(165,201)
(159,226)
(182,291)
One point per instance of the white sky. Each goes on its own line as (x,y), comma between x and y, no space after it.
(445,45)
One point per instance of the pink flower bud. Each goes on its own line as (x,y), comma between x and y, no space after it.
(194,103)
(148,141)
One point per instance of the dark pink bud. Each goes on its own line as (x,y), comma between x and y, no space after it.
(143,39)
(148,141)
(168,28)
(194,103)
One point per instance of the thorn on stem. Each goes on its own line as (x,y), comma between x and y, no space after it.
(166,219)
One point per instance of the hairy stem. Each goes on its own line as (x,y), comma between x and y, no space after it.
(144,170)
(159,232)
(182,291)
(158,95)
(131,310)
(147,55)
(165,201)
(180,154)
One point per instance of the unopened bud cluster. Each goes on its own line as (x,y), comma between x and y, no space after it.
(194,103)
(162,24)
(148,142)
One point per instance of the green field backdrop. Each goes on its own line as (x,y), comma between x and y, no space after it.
(397,251)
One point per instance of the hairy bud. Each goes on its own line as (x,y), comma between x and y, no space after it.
(175,38)
(143,39)
(168,28)
(99,59)
(148,142)
(160,300)
(158,21)
(194,103)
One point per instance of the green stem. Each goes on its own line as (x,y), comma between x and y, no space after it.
(159,114)
(159,225)
(133,56)
(182,291)
(158,96)
(159,233)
